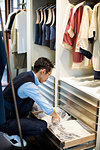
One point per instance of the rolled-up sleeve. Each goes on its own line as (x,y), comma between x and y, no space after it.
(29,89)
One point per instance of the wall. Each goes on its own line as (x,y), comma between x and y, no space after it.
(35,51)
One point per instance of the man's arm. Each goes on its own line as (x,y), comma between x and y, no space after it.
(29,89)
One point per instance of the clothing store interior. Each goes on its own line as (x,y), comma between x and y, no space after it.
(67,34)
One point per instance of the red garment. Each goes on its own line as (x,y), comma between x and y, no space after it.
(75,27)
(67,40)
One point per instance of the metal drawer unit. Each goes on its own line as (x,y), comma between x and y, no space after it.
(48,89)
(84,108)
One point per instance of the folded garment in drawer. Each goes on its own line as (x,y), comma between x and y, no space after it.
(69,132)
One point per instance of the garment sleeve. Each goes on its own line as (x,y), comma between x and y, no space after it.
(67,40)
(14,37)
(93,26)
(85,45)
(17,22)
(31,90)
(8,22)
(72,29)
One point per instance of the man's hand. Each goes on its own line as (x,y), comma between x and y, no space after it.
(55,118)
(37,112)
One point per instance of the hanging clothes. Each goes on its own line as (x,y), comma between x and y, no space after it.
(47,30)
(67,40)
(21,27)
(53,30)
(85,45)
(3,61)
(65,22)
(71,34)
(20,60)
(37,27)
(10,20)
(45,34)
(74,31)
(13,38)
(45,11)
(94,37)
(40,27)
(82,44)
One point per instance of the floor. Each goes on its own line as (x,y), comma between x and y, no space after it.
(37,143)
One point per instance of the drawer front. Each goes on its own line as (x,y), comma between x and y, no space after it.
(80,105)
(75,144)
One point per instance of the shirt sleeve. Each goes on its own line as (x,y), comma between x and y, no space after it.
(93,26)
(67,40)
(31,90)
(16,22)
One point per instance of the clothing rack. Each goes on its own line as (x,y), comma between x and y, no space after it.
(11,81)
(53,6)
(46,6)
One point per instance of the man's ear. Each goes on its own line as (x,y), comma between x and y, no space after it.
(43,71)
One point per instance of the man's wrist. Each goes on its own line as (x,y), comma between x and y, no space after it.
(54,114)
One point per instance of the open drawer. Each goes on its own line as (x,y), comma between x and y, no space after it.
(80,143)
(69,134)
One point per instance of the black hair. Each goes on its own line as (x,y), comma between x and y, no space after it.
(42,63)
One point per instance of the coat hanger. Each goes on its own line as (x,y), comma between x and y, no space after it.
(53,6)
(48,6)
(38,17)
(45,16)
(23,5)
(49,19)
(43,7)
(41,12)
(53,16)
(50,13)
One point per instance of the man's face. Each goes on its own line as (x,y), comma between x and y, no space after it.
(44,76)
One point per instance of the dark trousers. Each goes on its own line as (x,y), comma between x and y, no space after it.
(29,126)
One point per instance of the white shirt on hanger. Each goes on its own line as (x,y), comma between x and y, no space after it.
(21,26)
(10,21)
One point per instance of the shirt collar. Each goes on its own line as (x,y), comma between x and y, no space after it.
(36,79)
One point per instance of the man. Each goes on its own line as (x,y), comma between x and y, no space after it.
(27,92)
